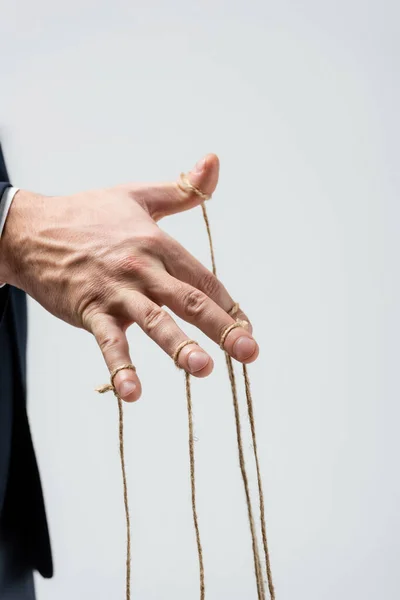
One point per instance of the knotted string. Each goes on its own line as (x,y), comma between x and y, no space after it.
(185,183)
(110,387)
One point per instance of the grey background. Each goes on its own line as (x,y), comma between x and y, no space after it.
(300,100)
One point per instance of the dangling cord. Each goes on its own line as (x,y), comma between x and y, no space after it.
(259,481)
(192,464)
(250,409)
(234,310)
(102,390)
(242,463)
(210,241)
(185,184)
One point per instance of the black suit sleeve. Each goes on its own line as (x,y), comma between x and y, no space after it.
(4,184)
(4,290)
(3,187)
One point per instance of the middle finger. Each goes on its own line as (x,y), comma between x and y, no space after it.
(195,307)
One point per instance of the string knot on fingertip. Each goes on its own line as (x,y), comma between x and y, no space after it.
(187,186)
(234,310)
(226,331)
(179,349)
(110,387)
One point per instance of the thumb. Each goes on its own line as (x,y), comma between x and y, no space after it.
(170,198)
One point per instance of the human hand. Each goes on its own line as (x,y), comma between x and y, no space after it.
(99,261)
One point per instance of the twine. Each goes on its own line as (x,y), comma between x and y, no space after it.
(192,465)
(102,390)
(230,328)
(186,186)
(259,483)
(232,312)
(180,347)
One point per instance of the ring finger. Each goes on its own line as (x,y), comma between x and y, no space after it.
(161,328)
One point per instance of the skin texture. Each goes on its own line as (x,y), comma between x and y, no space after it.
(99,261)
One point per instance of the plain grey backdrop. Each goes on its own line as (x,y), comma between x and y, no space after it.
(301,102)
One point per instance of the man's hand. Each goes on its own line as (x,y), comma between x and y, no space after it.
(98,260)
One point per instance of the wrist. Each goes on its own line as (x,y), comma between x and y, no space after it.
(12,234)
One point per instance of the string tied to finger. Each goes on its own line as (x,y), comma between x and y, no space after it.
(234,310)
(179,349)
(238,323)
(110,387)
(192,462)
(226,331)
(187,186)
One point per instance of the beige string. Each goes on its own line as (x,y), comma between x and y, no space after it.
(242,463)
(185,185)
(192,464)
(178,350)
(229,328)
(102,390)
(259,482)
(233,311)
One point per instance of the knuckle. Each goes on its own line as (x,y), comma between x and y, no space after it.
(210,285)
(128,264)
(152,241)
(154,318)
(194,303)
(108,342)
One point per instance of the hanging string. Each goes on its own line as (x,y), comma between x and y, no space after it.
(256,556)
(102,390)
(259,482)
(192,464)
(187,185)
(184,182)
(234,310)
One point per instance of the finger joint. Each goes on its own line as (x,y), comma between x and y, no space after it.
(210,285)
(194,303)
(154,318)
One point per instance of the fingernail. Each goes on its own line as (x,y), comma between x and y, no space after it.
(244,347)
(199,166)
(197,361)
(126,388)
